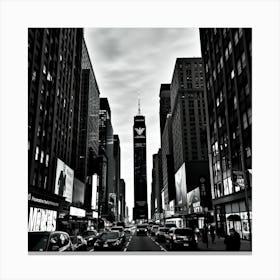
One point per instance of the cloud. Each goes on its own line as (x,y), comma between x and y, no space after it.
(129,61)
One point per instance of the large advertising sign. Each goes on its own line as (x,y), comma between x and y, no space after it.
(41,219)
(64,180)
(181,187)
(74,211)
(78,192)
(94,195)
(194,201)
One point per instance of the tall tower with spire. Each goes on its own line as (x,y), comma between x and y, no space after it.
(140,210)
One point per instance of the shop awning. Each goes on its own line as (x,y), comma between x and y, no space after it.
(234,217)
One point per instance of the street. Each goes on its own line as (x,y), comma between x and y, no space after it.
(142,243)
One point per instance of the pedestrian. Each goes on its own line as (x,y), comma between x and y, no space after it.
(205,235)
(232,241)
(212,233)
(197,232)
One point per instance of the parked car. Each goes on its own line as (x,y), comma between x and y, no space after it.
(170,225)
(79,243)
(142,229)
(58,241)
(154,229)
(90,236)
(111,240)
(181,238)
(160,234)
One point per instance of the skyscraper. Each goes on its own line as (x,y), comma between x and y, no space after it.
(140,210)
(164,105)
(189,132)
(54,71)
(227,60)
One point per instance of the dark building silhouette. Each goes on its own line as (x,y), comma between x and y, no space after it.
(54,74)
(227,60)
(140,210)
(168,180)
(188,108)
(88,126)
(122,200)
(164,105)
(106,156)
(117,176)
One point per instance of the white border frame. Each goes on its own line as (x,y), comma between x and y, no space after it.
(17,16)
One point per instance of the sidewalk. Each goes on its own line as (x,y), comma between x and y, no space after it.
(220,246)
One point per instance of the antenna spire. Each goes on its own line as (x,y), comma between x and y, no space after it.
(139,109)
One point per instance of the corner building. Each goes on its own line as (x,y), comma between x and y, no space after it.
(191,167)
(227,60)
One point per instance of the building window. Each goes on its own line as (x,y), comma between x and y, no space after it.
(248,152)
(221,96)
(42,157)
(49,77)
(236,38)
(243,60)
(39,130)
(245,120)
(226,53)
(221,62)
(235,103)
(240,31)
(34,76)
(247,89)
(217,102)
(229,48)
(239,69)
(232,74)
(42,88)
(249,113)
(37,153)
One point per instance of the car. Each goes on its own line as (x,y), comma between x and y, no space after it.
(160,234)
(170,225)
(79,243)
(110,240)
(142,229)
(121,230)
(90,236)
(181,238)
(41,241)
(154,229)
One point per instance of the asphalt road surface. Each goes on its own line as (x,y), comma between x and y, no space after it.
(142,243)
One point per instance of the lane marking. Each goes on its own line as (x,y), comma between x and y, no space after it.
(161,248)
(127,244)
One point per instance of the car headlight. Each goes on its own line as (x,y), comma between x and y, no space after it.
(90,239)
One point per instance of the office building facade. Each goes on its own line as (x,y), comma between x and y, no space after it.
(188,108)
(140,210)
(227,60)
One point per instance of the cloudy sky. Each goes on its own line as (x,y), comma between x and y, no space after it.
(134,61)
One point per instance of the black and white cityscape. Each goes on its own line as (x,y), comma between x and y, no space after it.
(196,195)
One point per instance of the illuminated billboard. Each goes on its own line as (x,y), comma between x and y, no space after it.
(64,180)
(94,195)
(194,201)
(41,219)
(78,192)
(181,187)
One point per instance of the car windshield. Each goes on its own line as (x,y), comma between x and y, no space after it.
(89,232)
(117,228)
(164,229)
(37,241)
(141,226)
(183,231)
(170,225)
(109,235)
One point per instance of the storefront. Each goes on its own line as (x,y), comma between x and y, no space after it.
(234,215)
(43,210)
